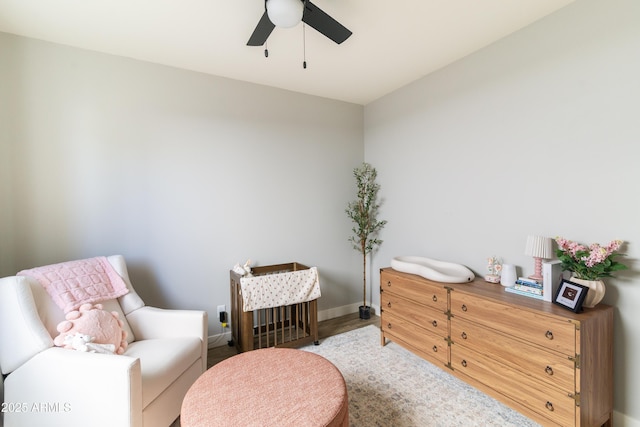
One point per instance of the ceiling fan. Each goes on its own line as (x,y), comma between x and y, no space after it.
(288,13)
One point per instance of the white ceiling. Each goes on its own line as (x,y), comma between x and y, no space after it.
(394,42)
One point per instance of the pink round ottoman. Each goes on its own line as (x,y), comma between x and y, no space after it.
(271,386)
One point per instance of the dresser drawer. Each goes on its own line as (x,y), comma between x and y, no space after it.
(426,317)
(533,327)
(418,290)
(555,405)
(432,345)
(549,367)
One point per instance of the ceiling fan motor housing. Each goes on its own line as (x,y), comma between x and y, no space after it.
(285,13)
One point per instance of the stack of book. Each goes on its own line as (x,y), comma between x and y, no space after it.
(527,287)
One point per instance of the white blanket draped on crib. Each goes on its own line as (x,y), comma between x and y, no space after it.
(280,289)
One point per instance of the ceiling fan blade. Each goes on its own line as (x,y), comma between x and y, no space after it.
(262,31)
(323,23)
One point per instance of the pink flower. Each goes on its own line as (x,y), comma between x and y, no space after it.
(613,245)
(573,248)
(596,256)
(593,262)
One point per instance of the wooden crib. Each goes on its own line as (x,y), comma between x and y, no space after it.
(284,326)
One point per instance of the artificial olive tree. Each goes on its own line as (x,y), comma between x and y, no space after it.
(363,212)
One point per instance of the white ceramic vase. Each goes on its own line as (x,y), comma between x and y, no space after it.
(508,276)
(596,291)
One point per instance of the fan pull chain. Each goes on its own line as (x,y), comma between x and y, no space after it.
(304,46)
(266,50)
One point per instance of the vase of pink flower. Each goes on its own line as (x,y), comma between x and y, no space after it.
(589,264)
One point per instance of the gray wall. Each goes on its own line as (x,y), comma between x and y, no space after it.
(536,134)
(184,174)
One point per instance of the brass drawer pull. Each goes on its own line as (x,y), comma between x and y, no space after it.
(463,363)
(464,335)
(388,282)
(435,348)
(389,325)
(464,307)
(389,304)
(549,406)
(549,370)
(549,335)
(435,298)
(435,324)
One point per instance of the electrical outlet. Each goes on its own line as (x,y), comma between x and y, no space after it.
(221,308)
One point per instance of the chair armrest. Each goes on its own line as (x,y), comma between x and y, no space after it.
(67,387)
(151,322)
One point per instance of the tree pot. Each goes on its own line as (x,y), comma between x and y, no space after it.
(365,312)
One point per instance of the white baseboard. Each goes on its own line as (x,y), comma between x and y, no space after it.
(343,311)
(622,420)
(220,340)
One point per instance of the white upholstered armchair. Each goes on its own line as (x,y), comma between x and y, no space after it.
(46,385)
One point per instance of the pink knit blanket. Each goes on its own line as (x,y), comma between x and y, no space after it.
(71,284)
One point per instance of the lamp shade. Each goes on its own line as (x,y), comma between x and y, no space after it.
(285,13)
(539,247)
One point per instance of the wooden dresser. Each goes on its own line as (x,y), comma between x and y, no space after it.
(546,362)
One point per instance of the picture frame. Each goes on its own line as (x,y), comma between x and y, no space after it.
(570,295)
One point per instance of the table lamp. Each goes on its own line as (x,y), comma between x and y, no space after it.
(539,248)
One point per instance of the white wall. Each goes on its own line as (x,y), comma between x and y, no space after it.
(6,161)
(184,174)
(536,134)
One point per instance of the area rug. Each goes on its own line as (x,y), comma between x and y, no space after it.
(390,386)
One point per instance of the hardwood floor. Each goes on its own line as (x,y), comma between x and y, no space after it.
(326,329)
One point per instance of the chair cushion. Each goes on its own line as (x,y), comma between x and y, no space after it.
(162,361)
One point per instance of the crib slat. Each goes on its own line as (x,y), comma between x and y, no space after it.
(269,319)
(259,327)
(281,324)
(304,317)
(291,312)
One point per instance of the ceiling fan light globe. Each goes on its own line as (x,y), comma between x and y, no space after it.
(285,13)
